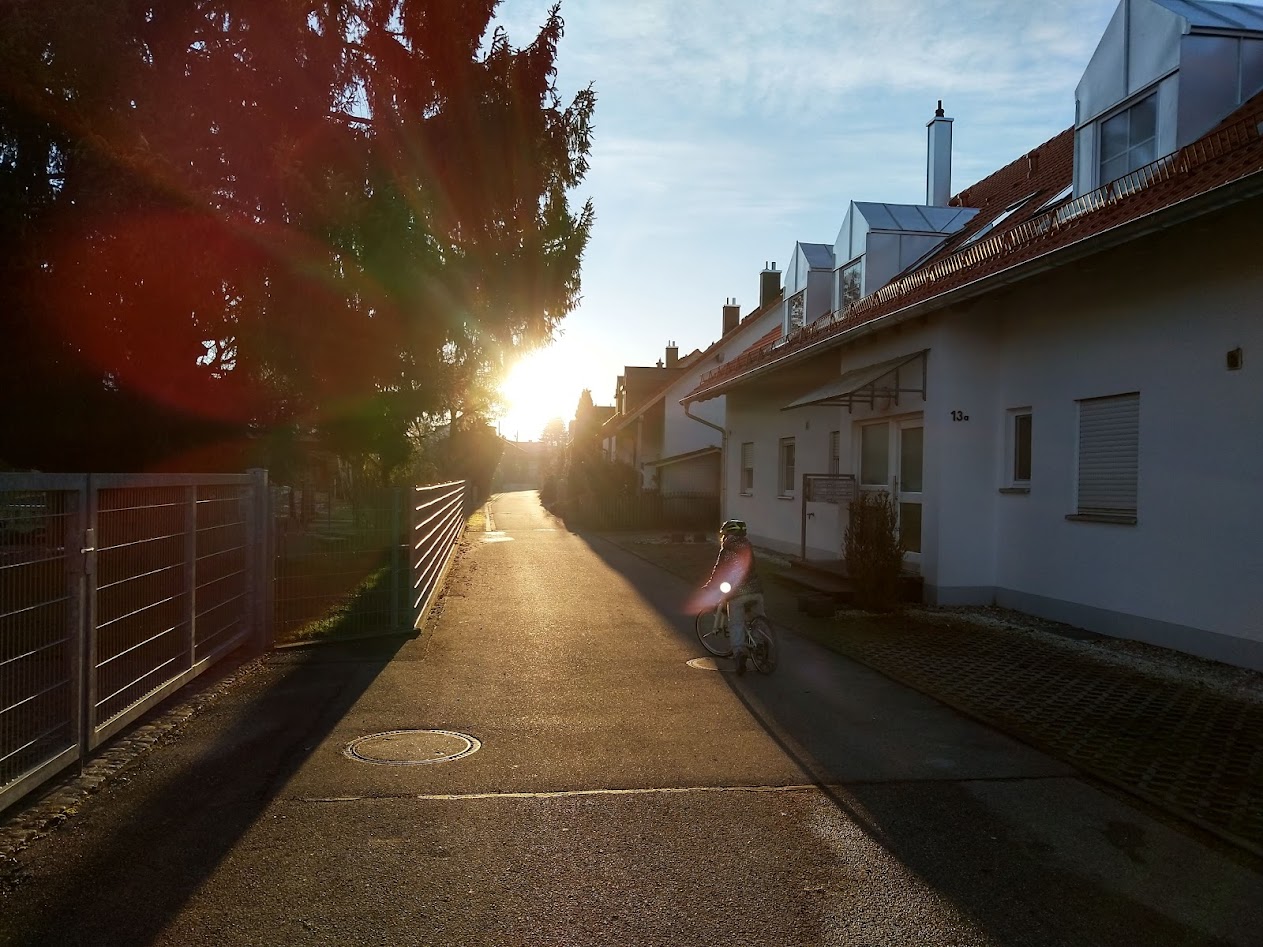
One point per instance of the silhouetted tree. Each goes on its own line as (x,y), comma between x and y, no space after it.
(227,225)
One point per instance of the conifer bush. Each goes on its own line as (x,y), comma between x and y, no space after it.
(874,550)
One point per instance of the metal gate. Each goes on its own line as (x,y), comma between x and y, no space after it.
(115,590)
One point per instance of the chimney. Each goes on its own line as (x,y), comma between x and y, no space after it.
(938,169)
(732,316)
(769,284)
(673,354)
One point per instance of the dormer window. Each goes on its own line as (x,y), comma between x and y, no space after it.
(850,282)
(1129,139)
(798,310)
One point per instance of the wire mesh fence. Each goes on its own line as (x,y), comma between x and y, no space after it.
(338,564)
(349,566)
(171,586)
(115,590)
(39,602)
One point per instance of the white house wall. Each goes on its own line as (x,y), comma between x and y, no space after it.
(1187,575)
(696,475)
(961,414)
(775,522)
(1157,317)
(683,434)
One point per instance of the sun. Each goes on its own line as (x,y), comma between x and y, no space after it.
(539,387)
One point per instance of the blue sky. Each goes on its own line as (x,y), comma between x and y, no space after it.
(726,131)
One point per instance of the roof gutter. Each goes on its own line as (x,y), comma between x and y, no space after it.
(1243,188)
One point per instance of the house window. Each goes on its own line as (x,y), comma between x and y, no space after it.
(1109,458)
(875,455)
(786,486)
(835,452)
(1018,438)
(850,278)
(747,468)
(1129,140)
(798,310)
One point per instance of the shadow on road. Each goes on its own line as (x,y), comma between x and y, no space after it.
(166,825)
(1000,841)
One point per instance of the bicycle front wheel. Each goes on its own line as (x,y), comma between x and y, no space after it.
(764,649)
(714,638)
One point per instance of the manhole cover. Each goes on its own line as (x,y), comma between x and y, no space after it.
(412,747)
(704,664)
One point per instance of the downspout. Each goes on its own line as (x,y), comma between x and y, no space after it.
(723,457)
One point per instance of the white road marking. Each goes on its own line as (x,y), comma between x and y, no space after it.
(569,793)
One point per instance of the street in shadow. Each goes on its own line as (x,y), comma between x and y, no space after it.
(1024,848)
(123,867)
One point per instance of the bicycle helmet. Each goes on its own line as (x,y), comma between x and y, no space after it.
(733,528)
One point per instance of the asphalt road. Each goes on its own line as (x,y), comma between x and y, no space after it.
(618,797)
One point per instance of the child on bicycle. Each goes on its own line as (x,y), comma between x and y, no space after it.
(735,565)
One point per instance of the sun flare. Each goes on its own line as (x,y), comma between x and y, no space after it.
(537,389)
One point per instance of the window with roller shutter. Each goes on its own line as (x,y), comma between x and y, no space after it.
(1109,458)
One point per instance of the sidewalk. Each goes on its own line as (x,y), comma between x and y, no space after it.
(1181,733)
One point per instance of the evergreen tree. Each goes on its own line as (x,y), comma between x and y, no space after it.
(227,224)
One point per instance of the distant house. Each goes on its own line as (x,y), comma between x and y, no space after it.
(674,448)
(1057,371)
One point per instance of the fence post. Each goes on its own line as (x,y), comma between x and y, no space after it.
(76,538)
(190,573)
(260,584)
(397,538)
(91,534)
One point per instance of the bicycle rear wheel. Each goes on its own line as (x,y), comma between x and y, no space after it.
(713,637)
(764,649)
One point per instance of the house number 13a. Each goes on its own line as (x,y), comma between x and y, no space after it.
(959,416)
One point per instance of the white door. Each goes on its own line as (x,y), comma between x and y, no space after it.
(891,457)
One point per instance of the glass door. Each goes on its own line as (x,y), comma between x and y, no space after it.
(891,455)
(909,466)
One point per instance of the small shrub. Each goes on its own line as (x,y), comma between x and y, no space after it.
(874,550)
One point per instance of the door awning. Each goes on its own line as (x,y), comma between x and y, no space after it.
(888,379)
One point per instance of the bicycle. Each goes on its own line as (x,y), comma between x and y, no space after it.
(712,631)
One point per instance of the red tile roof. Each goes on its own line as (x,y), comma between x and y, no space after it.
(1228,153)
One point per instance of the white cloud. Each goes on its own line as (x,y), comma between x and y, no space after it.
(731,57)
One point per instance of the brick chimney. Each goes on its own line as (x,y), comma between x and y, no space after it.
(673,354)
(732,315)
(769,283)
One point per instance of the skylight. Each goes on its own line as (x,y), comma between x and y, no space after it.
(987,228)
(1056,198)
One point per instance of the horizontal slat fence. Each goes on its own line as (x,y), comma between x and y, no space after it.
(438,518)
